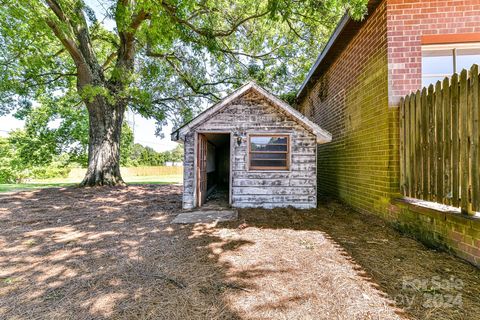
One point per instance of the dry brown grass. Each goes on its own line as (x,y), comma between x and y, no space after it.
(112,253)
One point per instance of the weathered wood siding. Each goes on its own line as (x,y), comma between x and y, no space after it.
(250,114)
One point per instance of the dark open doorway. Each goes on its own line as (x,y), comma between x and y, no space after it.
(217,170)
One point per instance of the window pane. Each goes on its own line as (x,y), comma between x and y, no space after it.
(467,57)
(426,81)
(269,163)
(269,152)
(270,156)
(258,143)
(436,62)
(268,147)
(268,140)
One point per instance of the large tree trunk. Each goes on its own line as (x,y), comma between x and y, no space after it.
(104,143)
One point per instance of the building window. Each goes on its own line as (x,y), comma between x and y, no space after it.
(440,61)
(269,152)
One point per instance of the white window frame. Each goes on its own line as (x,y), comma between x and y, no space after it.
(442,47)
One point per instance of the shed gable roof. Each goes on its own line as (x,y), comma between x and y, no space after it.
(322,135)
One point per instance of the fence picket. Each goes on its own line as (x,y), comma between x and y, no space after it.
(402,146)
(412,182)
(439,142)
(455,90)
(464,159)
(408,171)
(425,122)
(475,161)
(418,145)
(431,142)
(447,137)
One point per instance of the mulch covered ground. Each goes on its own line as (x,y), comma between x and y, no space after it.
(112,253)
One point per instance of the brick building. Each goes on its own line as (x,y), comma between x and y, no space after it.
(353,91)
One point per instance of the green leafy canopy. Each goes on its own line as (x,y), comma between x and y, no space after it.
(187,53)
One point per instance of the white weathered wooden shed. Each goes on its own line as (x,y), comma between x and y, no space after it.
(254,149)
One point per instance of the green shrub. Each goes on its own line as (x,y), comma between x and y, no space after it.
(7,175)
(11,175)
(50,172)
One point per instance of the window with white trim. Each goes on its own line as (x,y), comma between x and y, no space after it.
(440,61)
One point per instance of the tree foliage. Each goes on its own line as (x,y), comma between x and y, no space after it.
(188,52)
(163,59)
(146,156)
(54,131)
(15,169)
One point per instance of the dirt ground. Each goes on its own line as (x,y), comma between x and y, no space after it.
(112,253)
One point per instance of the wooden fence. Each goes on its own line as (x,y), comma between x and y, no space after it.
(79,173)
(439,142)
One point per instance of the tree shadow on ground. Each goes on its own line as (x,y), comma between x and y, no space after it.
(101,253)
(107,253)
(112,253)
(425,283)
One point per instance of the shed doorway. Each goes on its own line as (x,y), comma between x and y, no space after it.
(213,170)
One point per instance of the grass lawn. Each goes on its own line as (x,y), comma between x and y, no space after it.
(32,185)
(66,182)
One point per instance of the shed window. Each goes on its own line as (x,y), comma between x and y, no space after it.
(269,152)
(441,61)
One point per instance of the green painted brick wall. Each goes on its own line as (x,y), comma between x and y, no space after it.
(360,166)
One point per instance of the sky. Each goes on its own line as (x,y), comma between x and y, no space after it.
(144,129)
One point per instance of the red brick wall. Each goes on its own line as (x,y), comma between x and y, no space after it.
(407,22)
(360,165)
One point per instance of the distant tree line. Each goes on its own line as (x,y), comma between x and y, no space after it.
(146,156)
(33,153)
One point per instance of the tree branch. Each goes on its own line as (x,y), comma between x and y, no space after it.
(152,54)
(290,26)
(188,82)
(172,11)
(68,43)
(126,48)
(109,60)
(59,75)
(81,52)
(261,56)
(57,10)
